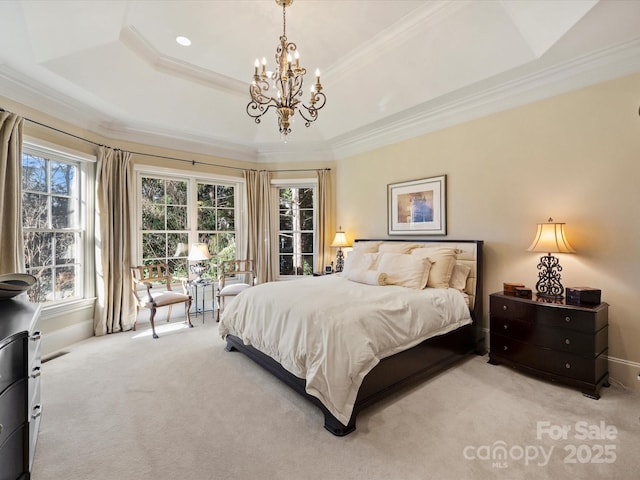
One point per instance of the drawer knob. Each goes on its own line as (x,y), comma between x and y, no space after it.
(506,348)
(567,365)
(506,327)
(567,341)
(504,307)
(567,319)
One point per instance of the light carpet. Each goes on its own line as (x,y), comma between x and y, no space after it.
(126,406)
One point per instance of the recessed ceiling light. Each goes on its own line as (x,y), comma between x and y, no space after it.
(184,41)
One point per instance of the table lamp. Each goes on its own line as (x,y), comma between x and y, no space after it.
(339,241)
(550,238)
(198,253)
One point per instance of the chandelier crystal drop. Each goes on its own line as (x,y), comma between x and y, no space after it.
(287,82)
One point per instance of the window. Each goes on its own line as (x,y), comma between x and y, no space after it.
(178,212)
(54,223)
(296,235)
(217,219)
(165,226)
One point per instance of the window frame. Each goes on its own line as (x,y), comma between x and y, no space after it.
(193,178)
(86,164)
(277,184)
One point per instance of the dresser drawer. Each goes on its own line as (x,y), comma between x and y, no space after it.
(578,368)
(517,351)
(12,409)
(12,364)
(11,456)
(510,308)
(579,320)
(581,343)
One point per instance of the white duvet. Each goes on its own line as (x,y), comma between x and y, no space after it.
(332,331)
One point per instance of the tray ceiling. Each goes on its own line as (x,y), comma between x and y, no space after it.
(391,70)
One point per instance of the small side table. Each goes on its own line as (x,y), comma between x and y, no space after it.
(199,293)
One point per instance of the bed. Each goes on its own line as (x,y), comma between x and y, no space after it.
(345,341)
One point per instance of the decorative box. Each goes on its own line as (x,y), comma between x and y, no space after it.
(523,292)
(510,288)
(583,295)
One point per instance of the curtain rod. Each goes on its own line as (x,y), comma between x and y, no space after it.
(192,162)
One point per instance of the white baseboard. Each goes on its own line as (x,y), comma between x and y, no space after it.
(624,372)
(57,340)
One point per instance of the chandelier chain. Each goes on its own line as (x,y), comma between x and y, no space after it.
(284,19)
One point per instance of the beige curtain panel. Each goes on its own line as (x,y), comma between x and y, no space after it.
(260,223)
(11,240)
(116,310)
(325,194)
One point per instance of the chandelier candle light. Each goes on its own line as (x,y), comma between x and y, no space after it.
(550,237)
(287,83)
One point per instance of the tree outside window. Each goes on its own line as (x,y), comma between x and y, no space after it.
(296,233)
(52,229)
(177,213)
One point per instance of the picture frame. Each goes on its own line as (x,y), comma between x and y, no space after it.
(328,269)
(418,207)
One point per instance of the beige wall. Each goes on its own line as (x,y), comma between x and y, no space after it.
(575,157)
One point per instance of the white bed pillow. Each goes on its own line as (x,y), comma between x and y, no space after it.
(357,260)
(459,276)
(397,247)
(367,246)
(443,260)
(404,270)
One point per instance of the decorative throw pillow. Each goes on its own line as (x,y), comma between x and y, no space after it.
(370,277)
(459,276)
(443,259)
(404,270)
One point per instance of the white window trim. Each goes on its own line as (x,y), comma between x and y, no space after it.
(171,173)
(87,217)
(301,183)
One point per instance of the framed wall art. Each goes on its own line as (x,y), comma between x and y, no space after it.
(418,207)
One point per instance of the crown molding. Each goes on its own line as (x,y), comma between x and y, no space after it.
(507,91)
(471,103)
(138,44)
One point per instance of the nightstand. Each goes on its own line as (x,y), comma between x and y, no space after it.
(551,339)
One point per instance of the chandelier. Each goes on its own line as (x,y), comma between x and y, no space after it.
(286,81)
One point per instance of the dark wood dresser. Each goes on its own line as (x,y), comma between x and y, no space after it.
(20,407)
(551,339)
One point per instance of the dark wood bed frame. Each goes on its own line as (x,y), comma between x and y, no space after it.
(397,371)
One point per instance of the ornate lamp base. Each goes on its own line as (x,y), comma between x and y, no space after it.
(198,269)
(549,285)
(339,260)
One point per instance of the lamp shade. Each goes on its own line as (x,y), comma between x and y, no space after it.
(551,238)
(199,251)
(340,240)
(181,250)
